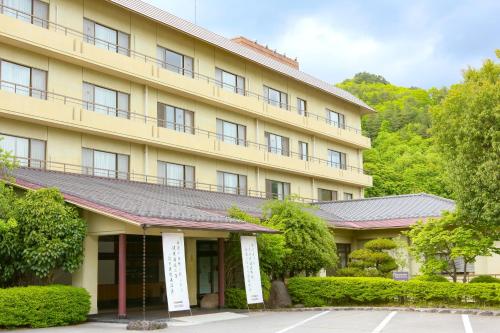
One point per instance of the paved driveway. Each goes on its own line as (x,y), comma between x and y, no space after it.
(313,322)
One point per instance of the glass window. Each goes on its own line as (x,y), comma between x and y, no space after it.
(326,195)
(336,119)
(231,132)
(229,81)
(301,107)
(106,38)
(277,144)
(31,11)
(105,164)
(175,118)
(175,62)
(343,251)
(276,189)
(105,101)
(337,159)
(276,97)
(27,152)
(231,183)
(23,80)
(347,196)
(303,151)
(178,175)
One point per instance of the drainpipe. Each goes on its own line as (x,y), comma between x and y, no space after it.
(122,276)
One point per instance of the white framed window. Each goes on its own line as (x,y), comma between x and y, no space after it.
(25,151)
(175,62)
(106,38)
(327,195)
(303,151)
(277,144)
(301,107)
(347,196)
(174,174)
(335,119)
(276,97)
(231,132)
(105,164)
(175,118)
(230,81)
(106,101)
(32,11)
(231,183)
(337,159)
(276,189)
(23,80)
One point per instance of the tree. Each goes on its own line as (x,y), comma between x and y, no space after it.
(6,163)
(373,259)
(308,240)
(42,234)
(439,243)
(467,133)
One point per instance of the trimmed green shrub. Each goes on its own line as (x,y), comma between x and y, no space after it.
(235,298)
(484,279)
(43,306)
(430,278)
(331,291)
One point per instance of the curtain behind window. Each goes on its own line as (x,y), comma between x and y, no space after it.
(21,9)
(105,101)
(105,38)
(40,13)
(104,164)
(38,83)
(15,78)
(37,148)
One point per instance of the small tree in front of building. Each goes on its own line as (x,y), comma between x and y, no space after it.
(373,259)
(39,233)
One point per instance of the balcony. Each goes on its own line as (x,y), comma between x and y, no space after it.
(69,45)
(56,110)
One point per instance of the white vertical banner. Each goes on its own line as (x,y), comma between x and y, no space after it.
(175,271)
(251,270)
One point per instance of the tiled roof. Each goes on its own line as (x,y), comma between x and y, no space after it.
(407,206)
(154,204)
(198,32)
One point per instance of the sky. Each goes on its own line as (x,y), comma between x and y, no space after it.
(424,43)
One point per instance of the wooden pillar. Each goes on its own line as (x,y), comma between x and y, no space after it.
(122,276)
(221,278)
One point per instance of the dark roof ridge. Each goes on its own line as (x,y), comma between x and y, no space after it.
(388,197)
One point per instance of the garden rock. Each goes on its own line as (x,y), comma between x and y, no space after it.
(210,301)
(279,297)
(145,325)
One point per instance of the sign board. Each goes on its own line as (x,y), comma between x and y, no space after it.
(251,270)
(175,271)
(400,276)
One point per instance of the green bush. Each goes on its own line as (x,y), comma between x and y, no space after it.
(484,279)
(43,306)
(331,291)
(235,298)
(430,278)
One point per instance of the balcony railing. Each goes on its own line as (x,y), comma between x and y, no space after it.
(67,168)
(182,71)
(25,90)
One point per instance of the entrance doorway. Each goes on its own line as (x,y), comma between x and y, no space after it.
(207,267)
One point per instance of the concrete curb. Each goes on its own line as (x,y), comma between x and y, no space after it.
(478,312)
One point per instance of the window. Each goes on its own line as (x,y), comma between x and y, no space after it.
(176,174)
(28,152)
(175,62)
(231,183)
(347,196)
(277,190)
(276,97)
(106,38)
(175,118)
(343,251)
(105,101)
(337,159)
(104,164)
(229,81)
(301,107)
(31,11)
(303,151)
(336,119)
(23,80)
(231,132)
(277,144)
(326,195)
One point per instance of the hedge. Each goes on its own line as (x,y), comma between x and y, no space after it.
(484,279)
(331,291)
(43,306)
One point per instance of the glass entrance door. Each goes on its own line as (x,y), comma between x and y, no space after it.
(207,267)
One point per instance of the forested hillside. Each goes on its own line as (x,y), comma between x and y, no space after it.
(403,158)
